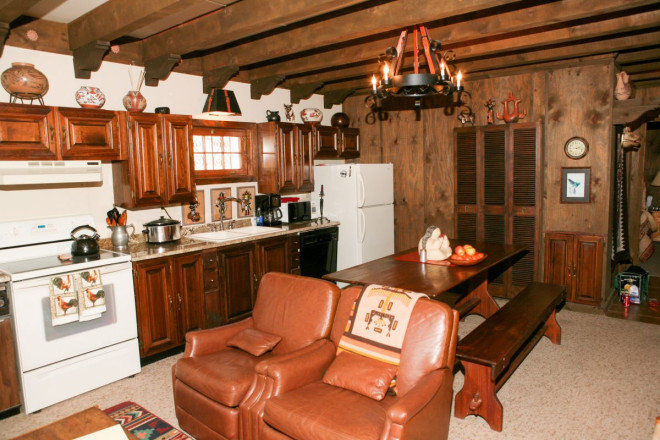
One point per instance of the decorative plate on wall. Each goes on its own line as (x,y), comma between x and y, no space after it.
(215,193)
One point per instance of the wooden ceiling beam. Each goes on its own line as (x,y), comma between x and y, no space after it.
(457,34)
(303,91)
(10,10)
(217,78)
(241,20)
(384,18)
(264,86)
(637,56)
(643,67)
(118,18)
(88,59)
(159,68)
(335,97)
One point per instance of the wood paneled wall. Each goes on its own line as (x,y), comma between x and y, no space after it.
(571,101)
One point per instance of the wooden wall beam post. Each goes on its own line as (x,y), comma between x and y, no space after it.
(304,91)
(264,86)
(217,78)
(87,59)
(159,68)
(336,97)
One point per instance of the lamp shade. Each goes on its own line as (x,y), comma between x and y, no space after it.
(222,102)
(656,179)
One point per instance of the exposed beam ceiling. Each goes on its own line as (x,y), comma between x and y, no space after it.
(333,45)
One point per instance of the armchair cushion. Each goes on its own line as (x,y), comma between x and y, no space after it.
(254,341)
(224,376)
(322,411)
(364,375)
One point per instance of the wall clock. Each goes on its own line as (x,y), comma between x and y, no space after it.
(576,147)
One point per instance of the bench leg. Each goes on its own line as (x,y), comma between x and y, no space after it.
(478,396)
(486,306)
(553,331)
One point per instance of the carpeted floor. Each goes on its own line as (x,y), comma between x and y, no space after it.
(603,382)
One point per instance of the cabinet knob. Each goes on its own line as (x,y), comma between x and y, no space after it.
(179,297)
(169,298)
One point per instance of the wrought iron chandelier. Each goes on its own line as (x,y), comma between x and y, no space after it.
(439,79)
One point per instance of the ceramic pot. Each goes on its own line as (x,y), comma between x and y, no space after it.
(24,81)
(90,97)
(272,116)
(623,89)
(311,116)
(339,120)
(134,101)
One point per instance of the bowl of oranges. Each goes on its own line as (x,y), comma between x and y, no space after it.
(466,255)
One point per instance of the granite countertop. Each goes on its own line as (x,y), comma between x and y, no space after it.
(141,250)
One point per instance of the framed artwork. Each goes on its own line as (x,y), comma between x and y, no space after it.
(194,213)
(575,185)
(215,193)
(246,193)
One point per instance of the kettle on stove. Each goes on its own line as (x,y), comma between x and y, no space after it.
(84,244)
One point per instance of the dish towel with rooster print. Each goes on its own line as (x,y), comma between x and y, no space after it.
(378,323)
(76,297)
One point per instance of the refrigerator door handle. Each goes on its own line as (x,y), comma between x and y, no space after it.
(361,191)
(363,226)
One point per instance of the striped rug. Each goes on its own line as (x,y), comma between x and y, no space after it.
(143,424)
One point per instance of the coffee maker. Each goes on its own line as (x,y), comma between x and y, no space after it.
(269,204)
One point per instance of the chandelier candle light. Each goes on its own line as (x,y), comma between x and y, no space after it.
(416,85)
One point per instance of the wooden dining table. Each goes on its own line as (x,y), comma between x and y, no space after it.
(468,284)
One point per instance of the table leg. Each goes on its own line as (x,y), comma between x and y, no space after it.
(478,396)
(553,332)
(487,305)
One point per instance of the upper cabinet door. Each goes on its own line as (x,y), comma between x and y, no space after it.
(305,158)
(349,142)
(27,132)
(326,142)
(89,134)
(177,141)
(147,160)
(286,144)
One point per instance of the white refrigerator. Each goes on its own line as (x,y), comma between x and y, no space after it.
(360,197)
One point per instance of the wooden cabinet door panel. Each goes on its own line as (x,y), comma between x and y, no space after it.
(9,390)
(349,142)
(305,159)
(274,255)
(286,157)
(238,267)
(146,156)
(89,134)
(587,269)
(177,142)
(189,292)
(27,132)
(326,139)
(558,260)
(157,324)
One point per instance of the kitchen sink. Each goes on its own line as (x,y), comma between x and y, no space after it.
(256,230)
(218,236)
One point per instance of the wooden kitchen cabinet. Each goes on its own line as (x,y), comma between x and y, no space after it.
(274,255)
(348,142)
(576,261)
(9,390)
(159,169)
(336,142)
(294,254)
(33,132)
(238,280)
(169,299)
(286,158)
(214,304)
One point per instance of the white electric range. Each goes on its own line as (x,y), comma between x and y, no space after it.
(59,361)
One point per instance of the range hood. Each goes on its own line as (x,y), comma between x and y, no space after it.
(44,172)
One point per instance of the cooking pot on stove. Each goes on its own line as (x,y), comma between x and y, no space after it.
(84,244)
(162,230)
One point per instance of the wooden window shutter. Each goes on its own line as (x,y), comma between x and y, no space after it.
(495,167)
(466,160)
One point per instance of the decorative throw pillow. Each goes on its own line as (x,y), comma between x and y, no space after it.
(363,375)
(254,341)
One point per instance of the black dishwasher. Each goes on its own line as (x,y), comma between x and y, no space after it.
(318,252)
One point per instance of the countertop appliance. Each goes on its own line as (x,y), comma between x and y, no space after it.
(318,252)
(297,212)
(57,362)
(360,197)
(269,205)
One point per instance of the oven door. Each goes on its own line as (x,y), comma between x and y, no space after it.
(40,343)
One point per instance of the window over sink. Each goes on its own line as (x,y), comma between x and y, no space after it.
(223,151)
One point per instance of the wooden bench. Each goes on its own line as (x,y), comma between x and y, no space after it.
(492,351)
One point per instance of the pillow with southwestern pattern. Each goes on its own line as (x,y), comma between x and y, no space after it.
(254,341)
(363,375)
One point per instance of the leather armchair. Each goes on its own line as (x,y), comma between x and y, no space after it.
(309,408)
(215,383)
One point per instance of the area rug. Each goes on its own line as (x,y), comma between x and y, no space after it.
(143,424)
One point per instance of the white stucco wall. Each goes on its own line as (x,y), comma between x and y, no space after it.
(181,93)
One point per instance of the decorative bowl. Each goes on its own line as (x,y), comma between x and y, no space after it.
(24,81)
(339,120)
(90,97)
(467,262)
(311,116)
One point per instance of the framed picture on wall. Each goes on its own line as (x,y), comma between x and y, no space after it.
(215,193)
(246,193)
(575,185)
(194,213)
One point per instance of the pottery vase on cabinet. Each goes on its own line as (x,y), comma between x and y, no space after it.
(623,89)
(90,97)
(272,116)
(311,116)
(134,101)
(24,81)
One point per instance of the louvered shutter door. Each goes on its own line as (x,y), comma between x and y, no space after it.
(466,184)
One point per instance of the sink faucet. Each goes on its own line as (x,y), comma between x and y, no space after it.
(220,203)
